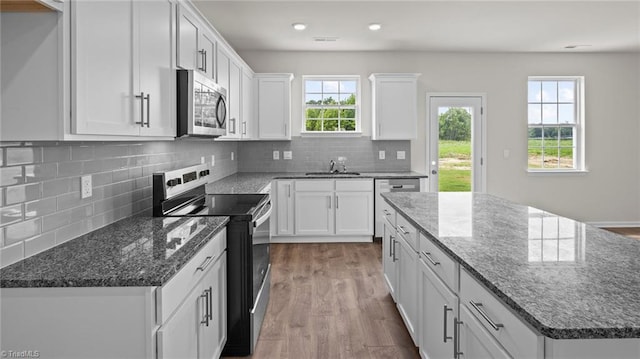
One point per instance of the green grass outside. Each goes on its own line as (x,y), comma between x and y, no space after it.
(566,148)
(456,175)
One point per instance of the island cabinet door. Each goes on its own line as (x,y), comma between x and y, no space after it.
(284,208)
(408,286)
(473,341)
(389,244)
(437,308)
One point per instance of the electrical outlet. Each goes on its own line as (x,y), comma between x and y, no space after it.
(232,156)
(505,153)
(276,155)
(202,161)
(287,155)
(341,158)
(381,155)
(400,155)
(213,160)
(85,186)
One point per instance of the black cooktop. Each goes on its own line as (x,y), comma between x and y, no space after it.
(232,204)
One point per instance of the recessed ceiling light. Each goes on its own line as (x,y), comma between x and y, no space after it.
(375,27)
(299,26)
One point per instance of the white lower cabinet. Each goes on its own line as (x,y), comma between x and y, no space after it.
(314,213)
(438,306)
(407,296)
(389,257)
(185,318)
(283,218)
(324,210)
(198,328)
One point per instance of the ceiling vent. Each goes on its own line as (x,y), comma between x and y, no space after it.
(325,39)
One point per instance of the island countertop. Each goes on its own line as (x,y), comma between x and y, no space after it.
(136,251)
(567,279)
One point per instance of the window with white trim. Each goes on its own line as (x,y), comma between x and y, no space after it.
(556,123)
(331,104)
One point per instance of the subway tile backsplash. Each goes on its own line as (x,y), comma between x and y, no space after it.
(314,154)
(40,203)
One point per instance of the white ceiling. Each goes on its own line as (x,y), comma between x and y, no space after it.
(428,25)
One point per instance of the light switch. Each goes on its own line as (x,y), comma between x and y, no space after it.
(213,160)
(287,155)
(505,153)
(381,155)
(276,155)
(202,161)
(400,155)
(233,155)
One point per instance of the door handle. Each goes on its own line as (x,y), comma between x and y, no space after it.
(148,98)
(446,309)
(434,172)
(141,97)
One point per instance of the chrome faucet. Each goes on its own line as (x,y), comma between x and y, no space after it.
(332,164)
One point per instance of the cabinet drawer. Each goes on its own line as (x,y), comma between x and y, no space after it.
(354,185)
(388,213)
(176,289)
(513,334)
(408,231)
(443,265)
(314,185)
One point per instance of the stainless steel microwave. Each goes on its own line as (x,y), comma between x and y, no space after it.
(202,109)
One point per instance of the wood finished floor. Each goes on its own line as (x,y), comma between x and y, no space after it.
(632,232)
(329,300)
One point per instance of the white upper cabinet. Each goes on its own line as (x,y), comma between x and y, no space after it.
(274,106)
(122,81)
(247,125)
(196,46)
(395,106)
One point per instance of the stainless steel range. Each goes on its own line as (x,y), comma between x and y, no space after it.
(182,193)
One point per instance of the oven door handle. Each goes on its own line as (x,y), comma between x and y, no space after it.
(258,222)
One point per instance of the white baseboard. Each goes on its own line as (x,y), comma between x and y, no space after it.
(624,224)
(321,239)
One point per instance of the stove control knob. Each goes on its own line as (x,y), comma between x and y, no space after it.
(204,173)
(174,182)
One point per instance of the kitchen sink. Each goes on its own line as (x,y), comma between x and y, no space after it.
(332,174)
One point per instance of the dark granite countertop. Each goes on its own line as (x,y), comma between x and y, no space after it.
(131,252)
(567,279)
(253,182)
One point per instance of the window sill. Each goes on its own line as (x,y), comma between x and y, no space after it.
(331,134)
(556,172)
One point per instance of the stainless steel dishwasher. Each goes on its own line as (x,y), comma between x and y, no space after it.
(390,185)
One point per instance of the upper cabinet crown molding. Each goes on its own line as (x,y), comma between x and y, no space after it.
(31,5)
(395,106)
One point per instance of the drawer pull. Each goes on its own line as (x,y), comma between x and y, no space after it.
(446,309)
(401,228)
(484,315)
(394,248)
(205,264)
(386,213)
(428,256)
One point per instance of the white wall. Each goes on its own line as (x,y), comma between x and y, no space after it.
(609,192)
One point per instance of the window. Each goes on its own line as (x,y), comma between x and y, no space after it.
(331,104)
(555,124)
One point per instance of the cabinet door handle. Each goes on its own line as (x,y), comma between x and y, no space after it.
(289,190)
(428,256)
(204,264)
(210,304)
(141,97)
(391,239)
(337,202)
(394,248)
(244,127)
(148,98)
(401,228)
(203,59)
(446,309)
(456,339)
(485,316)
(205,317)
(329,201)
